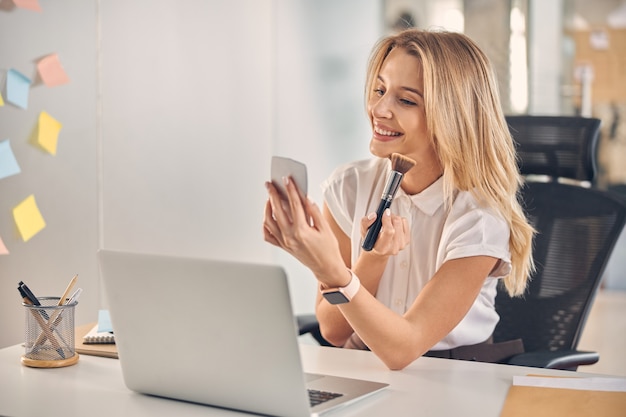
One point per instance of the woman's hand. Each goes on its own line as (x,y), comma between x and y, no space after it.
(299,228)
(394,235)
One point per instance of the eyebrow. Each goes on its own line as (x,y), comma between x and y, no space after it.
(410,89)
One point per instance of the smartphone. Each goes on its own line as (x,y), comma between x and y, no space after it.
(287,167)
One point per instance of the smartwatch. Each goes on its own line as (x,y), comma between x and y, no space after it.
(342,295)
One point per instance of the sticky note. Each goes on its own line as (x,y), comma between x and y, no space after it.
(104,321)
(28,218)
(8,163)
(51,71)
(48,132)
(3,248)
(18,86)
(1,100)
(28,4)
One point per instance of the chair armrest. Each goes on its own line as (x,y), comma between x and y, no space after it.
(568,360)
(307,323)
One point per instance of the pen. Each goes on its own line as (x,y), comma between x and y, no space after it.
(42,324)
(74,296)
(31,297)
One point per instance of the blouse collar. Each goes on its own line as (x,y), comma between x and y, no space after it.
(429,200)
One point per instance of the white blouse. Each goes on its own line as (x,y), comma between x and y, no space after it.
(437,235)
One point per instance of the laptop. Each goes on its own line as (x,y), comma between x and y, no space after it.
(219,333)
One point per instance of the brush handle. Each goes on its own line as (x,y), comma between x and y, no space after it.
(374,229)
(393,183)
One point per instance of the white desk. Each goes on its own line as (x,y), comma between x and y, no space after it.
(95,387)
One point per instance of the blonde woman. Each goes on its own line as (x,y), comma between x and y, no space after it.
(454,229)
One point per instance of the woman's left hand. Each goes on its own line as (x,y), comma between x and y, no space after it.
(300,228)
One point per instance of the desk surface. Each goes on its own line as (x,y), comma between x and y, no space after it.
(95,387)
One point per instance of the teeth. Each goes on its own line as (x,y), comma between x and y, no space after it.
(385,132)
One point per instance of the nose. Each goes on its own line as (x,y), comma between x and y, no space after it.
(380,107)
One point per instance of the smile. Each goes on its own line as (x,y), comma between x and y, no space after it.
(384,132)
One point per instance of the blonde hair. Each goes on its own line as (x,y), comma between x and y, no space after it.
(465,122)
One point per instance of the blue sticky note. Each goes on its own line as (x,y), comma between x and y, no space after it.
(104,321)
(18,86)
(8,163)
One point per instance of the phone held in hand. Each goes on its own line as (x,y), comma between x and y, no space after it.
(287,167)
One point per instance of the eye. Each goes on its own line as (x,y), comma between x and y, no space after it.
(408,102)
(379,92)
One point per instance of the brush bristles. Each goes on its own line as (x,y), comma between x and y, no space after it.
(401,163)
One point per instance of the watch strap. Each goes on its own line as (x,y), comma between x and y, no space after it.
(341,295)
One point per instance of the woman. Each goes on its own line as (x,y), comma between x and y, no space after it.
(454,229)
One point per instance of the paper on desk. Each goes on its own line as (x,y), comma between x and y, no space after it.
(546,396)
(104,322)
(590,384)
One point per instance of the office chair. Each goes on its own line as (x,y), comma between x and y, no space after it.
(578,227)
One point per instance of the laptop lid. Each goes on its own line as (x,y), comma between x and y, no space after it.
(214,332)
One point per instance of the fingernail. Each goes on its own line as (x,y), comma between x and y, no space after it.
(371,216)
(387,212)
(286,180)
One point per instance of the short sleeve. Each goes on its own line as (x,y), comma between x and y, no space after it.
(476,231)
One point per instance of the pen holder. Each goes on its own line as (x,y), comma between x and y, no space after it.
(49,340)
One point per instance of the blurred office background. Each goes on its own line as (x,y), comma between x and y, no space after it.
(174,109)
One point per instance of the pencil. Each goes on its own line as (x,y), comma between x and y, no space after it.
(67,290)
(45,328)
(55,319)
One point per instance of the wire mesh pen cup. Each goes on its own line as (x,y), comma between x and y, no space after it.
(49,338)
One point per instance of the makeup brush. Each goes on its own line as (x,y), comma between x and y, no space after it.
(400,164)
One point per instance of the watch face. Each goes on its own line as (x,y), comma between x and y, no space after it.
(336,297)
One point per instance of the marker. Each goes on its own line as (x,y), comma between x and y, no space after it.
(31,297)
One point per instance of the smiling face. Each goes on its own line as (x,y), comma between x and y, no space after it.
(396,110)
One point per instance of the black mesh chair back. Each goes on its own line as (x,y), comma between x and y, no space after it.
(577,226)
(577,231)
(556,146)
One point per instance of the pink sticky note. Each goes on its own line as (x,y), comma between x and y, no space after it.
(3,249)
(28,4)
(51,71)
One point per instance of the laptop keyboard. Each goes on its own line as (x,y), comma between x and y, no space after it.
(317,397)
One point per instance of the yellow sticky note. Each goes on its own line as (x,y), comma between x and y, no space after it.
(48,132)
(28,218)
(1,101)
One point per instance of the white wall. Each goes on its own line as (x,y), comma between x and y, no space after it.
(169,122)
(65,186)
(545,58)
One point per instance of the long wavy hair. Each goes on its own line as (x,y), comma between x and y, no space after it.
(467,127)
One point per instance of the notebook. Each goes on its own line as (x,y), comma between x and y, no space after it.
(218,333)
(101,332)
